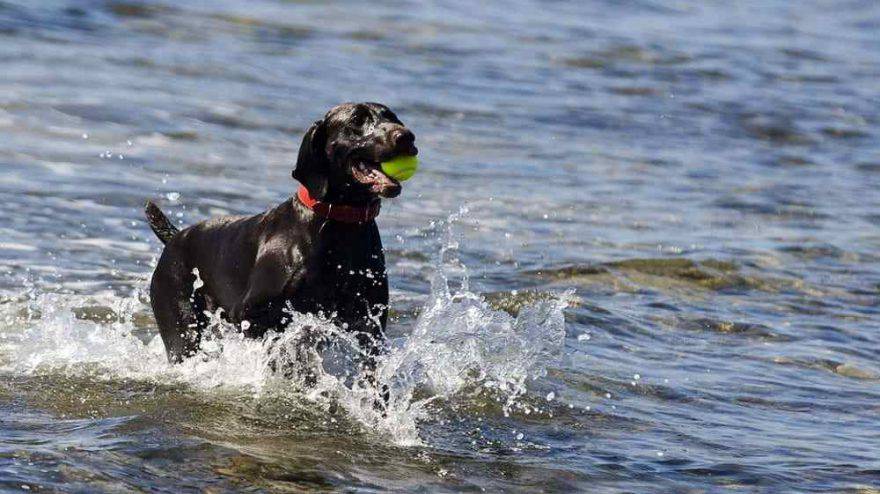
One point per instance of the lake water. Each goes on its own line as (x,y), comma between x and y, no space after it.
(642,254)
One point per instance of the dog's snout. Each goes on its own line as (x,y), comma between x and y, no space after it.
(403,140)
(404,136)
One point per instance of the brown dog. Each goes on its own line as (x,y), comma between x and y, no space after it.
(318,252)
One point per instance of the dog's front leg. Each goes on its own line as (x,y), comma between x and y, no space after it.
(370,335)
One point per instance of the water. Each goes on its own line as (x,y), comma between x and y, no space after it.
(703,176)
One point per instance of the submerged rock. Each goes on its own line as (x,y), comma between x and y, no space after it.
(659,273)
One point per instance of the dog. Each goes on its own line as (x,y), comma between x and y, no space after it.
(318,252)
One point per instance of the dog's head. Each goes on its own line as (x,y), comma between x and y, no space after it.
(340,155)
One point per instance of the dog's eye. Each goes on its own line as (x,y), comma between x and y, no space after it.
(359,120)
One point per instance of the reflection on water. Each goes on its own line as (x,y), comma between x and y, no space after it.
(703,176)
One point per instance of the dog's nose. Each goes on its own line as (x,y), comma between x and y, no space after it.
(404,136)
(403,139)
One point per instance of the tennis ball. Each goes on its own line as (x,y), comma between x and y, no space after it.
(401,168)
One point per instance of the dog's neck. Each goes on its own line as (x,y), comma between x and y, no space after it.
(343,213)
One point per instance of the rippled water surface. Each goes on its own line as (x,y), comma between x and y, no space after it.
(642,254)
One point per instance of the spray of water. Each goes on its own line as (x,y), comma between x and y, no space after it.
(457,343)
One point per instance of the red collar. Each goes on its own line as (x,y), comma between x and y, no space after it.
(339,212)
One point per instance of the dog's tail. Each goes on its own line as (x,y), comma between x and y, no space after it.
(160,223)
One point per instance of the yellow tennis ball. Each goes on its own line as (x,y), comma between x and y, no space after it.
(401,168)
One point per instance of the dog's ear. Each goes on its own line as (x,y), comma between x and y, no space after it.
(311,164)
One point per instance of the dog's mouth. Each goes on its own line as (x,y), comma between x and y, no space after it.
(370,174)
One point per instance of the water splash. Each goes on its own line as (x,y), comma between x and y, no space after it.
(458,344)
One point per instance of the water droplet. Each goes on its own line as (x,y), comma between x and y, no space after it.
(173,196)
(197,283)
(550,396)
(519,436)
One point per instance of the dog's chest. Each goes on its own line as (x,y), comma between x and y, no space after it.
(344,283)
(359,279)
